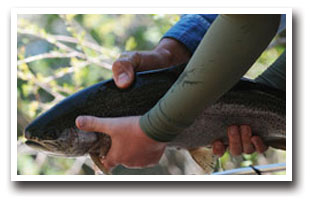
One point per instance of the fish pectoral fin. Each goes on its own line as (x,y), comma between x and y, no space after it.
(104,144)
(205,158)
(96,159)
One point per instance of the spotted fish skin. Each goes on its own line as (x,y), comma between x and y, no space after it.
(259,106)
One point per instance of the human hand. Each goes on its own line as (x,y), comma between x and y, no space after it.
(130,146)
(168,52)
(240,140)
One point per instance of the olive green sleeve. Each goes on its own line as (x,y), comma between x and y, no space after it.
(227,51)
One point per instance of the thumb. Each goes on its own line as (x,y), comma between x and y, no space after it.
(123,73)
(92,124)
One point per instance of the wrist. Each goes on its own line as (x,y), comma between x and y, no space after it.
(154,59)
(164,57)
(172,51)
(146,137)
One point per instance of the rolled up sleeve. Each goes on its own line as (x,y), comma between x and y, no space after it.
(191,29)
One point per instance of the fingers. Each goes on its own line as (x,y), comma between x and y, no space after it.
(246,134)
(235,144)
(241,140)
(259,144)
(218,148)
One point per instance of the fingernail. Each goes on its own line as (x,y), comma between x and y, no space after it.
(81,122)
(123,78)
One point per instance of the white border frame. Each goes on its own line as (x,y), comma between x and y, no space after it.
(159,10)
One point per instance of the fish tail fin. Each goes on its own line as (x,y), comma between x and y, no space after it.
(205,158)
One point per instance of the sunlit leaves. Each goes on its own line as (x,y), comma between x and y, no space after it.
(33,106)
(79,74)
(26,165)
(264,61)
(131,44)
(153,35)
(69,17)
(27,89)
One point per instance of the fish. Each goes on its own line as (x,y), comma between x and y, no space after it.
(54,132)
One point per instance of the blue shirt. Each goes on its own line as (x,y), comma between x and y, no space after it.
(191,28)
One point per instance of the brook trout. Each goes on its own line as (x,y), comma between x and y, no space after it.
(54,132)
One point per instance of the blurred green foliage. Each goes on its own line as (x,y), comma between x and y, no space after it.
(61,54)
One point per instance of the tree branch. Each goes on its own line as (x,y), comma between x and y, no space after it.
(48,55)
(51,39)
(44,86)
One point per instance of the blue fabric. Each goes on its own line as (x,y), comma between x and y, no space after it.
(190,29)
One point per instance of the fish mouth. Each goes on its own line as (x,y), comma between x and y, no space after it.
(27,134)
(36,145)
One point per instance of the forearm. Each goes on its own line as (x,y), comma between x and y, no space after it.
(230,47)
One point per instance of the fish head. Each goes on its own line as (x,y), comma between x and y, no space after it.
(68,142)
(54,132)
